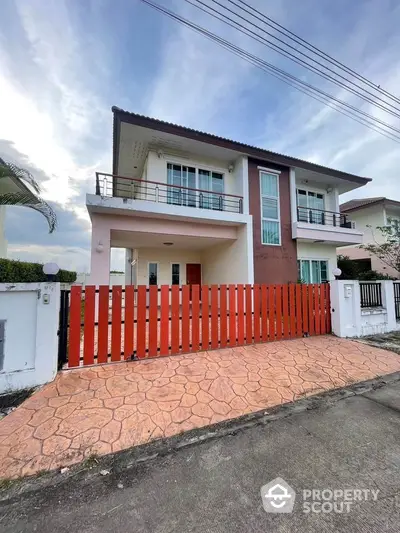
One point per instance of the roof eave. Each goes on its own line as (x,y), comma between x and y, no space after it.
(358,207)
(121,115)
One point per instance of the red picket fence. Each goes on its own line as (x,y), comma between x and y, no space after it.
(141,322)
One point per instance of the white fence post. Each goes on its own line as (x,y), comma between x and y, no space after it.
(388,303)
(345,308)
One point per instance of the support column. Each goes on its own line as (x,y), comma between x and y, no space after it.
(128,266)
(100,254)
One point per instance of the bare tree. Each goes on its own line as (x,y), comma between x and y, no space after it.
(387,251)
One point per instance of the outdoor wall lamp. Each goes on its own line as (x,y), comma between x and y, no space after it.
(99,247)
(336,272)
(51,270)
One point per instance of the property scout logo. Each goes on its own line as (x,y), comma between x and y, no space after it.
(279,497)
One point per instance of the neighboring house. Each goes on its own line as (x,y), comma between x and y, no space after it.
(190,207)
(369,214)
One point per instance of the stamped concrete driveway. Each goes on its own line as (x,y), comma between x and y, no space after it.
(108,408)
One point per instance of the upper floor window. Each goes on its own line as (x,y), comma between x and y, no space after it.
(181,176)
(210,183)
(270,212)
(310,207)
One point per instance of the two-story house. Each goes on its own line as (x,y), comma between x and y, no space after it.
(368,215)
(193,208)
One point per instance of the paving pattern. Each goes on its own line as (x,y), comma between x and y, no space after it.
(107,408)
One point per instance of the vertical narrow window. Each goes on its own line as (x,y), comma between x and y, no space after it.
(324,271)
(305,271)
(176,267)
(270,216)
(153,273)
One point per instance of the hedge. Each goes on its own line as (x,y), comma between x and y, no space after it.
(23,272)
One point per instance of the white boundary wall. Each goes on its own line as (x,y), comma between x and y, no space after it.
(29,355)
(349,319)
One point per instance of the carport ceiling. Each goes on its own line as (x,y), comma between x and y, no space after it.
(132,239)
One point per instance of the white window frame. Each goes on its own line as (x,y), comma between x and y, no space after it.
(197,167)
(315,191)
(180,272)
(148,272)
(309,259)
(277,174)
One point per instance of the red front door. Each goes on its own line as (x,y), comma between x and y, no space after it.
(193,274)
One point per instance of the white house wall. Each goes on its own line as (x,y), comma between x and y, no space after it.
(370,216)
(164,258)
(157,168)
(241,180)
(230,263)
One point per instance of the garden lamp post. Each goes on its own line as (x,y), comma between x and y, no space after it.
(51,270)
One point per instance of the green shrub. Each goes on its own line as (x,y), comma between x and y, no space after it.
(23,272)
(373,275)
(351,270)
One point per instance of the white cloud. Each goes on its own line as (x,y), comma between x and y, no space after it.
(57,118)
(49,130)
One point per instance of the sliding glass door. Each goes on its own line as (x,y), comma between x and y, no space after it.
(213,182)
(181,176)
(311,206)
(211,185)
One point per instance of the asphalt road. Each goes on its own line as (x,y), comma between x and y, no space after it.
(214,486)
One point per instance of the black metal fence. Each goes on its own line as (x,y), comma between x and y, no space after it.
(371,294)
(396,286)
(63,328)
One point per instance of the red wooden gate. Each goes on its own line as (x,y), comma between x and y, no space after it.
(114,324)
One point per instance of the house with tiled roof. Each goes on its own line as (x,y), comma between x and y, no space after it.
(193,208)
(368,214)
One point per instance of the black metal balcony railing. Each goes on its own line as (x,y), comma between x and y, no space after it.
(325,218)
(152,191)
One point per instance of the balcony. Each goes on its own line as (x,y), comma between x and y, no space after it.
(145,198)
(325,227)
(317,216)
(175,195)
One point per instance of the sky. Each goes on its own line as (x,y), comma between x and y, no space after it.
(64,63)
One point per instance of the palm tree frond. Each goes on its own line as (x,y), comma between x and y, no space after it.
(26,200)
(9,170)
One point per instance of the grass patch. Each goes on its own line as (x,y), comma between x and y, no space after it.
(91,461)
(7,483)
